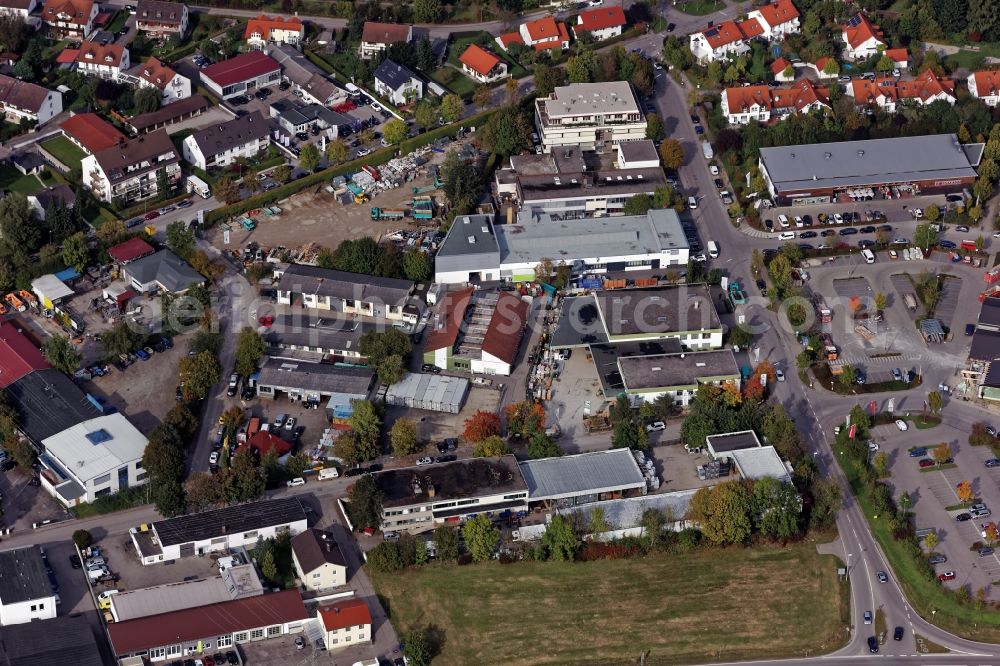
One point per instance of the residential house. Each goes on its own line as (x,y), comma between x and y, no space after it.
(107,62)
(346,622)
(777,19)
(820,67)
(377,37)
(69,19)
(862,38)
(985,84)
(179,111)
(294,117)
(161,271)
(316,87)
(726,40)
(220,145)
(162,19)
(589,115)
(131,171)
(58,196)
(601,23)
(22,8)
(91,133)
(265,30)
(778,69)
(888,92)
(241,75)
(900,58)
(743,104)
(318,562)
(154,74)
(397,83)
(541,34)
(26,594)
(21,100)
(349,293)
(481,65)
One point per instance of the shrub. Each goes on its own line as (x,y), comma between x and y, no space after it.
(83,539)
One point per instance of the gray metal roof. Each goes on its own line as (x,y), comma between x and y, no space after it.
(22,576)
(330,333)
(170,597)
(662,309)
(229,520)
(440,393)
(165,268)
(759,462)
(232,134)
(589,98)
(985,345)
(622,514)
(638,151)
(306,279)
(470,245)
(569,185)
(676,370)
(581,474)
(870,162)
(321,378)
(67,640)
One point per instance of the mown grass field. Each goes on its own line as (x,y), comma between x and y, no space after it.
(712,605)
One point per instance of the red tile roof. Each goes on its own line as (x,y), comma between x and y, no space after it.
(192,624)
(546,33)
(265,442)
(92,132)
(509,38)
(67,56)
(479,59)
(602,17)
(241,68)
(923,87)
(506,329)
(797,96)
(344,614)
(22,94)
(156,73)
(109,54)
(821,63)
(779,65)
(445,333)
(731,31)
(130,250)
(384,33)
(263,25)
(778,12)
(77,10)
(862,32)
(18,356)
(987,82)
(898,55)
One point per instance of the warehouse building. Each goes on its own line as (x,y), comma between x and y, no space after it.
(235,582)
(217,530)
(583,478)
(350,293)
(722,445)
(624,516)
(678,376)
(61,641)
(327,337)
(843,171)
(761,462)
(241,75)
(302,381)
(25,591)
(476,250)
(436,393)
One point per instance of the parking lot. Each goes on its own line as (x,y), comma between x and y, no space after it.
(25,504)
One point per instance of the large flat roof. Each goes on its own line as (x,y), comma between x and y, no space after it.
(66,640)
(97,446)
(48,402)
(759,462)
(727,442)
(22,576)
(676,370)
(579,99)
(581,474)
(317,377)
(870,162)
(462,479)
(569,240)
(652,310)
(228,520)
(568,185)
(170,597)
(624,513)
(469,235)
(331,331)
(307,279)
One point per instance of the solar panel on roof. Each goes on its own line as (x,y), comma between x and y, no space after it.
(712,32)
(854,21)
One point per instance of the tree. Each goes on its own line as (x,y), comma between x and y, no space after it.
(881,464)
(965,492)
(740,337)
(426,11)
(541,445)
(365,503)
(417,266)
(525,418)
(934,402)
(75,252)
(119,339)
(598,522)
(180,239)
(931,540)
(507,132)
(481,425)
(60,352)
(924,236)
(309,157)
(451,108)
(672,154)
(490,447)
(941,453)
(386,351)
(980,436)
(932,213)
(244,480)
(395,131)
(267,566)
(653,523)
(336,152)
(199,373)
(251,180)
(848,375)
(416,645)
(637,204)
(249,349)
(425,115)
(282,172)
(482,97)
(226,190)
(404,437)
(510,89)
(82,539)
(776,508)
(881,300)
(826,503)
(480,537)
(560,540)
(578,67)
(203,492)
(367,425)
(446,543)
(723,512)
(989,169)
(547,78)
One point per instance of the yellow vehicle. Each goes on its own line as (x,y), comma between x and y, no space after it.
(104,599)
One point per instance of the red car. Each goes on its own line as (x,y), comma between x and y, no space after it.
(207,661)
(926,462)
(947,575)
(266,320)
(152,215)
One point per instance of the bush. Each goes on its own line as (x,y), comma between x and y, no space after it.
(83,539)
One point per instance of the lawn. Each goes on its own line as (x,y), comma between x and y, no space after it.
(117,22)
(680,608)
(455,81)
(701,7)
(461,84)
(11,179)
(65,151)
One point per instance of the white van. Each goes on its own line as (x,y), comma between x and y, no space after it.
(328,473)
(868,255)
(692,203)
(713,250)
(783,221)
(786,236)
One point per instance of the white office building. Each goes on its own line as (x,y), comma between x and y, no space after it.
(593,116)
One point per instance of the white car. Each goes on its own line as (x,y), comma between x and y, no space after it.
(297,481)
(290,423)
(786,236)
(872,446)
(426,460)
(780,375)
(376,107)
(838,218)
(213,458)
(901,424)
(363,151)
(714,169)
(700,257)
(656,426)
(996,234)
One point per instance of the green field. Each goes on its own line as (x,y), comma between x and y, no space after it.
(686,608)
(12,180)
(701,7)
(65,151)
(461,84)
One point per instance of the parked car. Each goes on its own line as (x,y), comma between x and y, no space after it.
(993,462)
(918,452)
(779,375)
(213,458)
(985,551)
(234,382)
(868,617)
(897,634)
(926,462)
(897,374)
(297,481)
(963,517)
(426,460)
(882,577)
(290,423)
(279,421)
(937,558)
(901,424)
(446,458)
(947,575)
(872,643)
(656,426)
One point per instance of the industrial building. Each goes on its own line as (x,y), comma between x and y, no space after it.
(761,462)
(903,166)
(60,641)
(312,382)
(583,478)
(350,293)
(678,376)
(241,75)
(26,594)
(217,530)
(722,445)
(326,337)
(235,582)
(476,250)
(437,393)
(592,116)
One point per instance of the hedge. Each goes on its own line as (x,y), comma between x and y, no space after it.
(376,158)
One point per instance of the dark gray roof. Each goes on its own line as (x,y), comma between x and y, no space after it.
(300,115)
(668,309)
(174,111)
(635,151)
(618,182)
(462,479)
(304,279)
(22,576)
(733,441)
(59,195)
(166,268)
(223,137)
(303,72)
(133,157)
(606,359)
(334,332)
(393,74)
(992,378)
(985,345)
(48,402)
(316,377)
(989,313)
(670,370)
(869,162)
(229,520)
(67,640)
(467,247)
(28,161)
(314,548)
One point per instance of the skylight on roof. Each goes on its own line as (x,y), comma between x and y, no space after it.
(99,436)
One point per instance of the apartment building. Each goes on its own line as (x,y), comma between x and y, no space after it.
(593,116)
(133,170)
(220,145)
(761,103)
(21,100)
(161,19)
(107,61)
(265,30)
(69,19)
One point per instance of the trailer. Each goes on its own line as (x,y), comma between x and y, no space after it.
(824,313)
(196,185)
(736,295)
(427,189)
(992,276)
(388,213)
(423,208)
